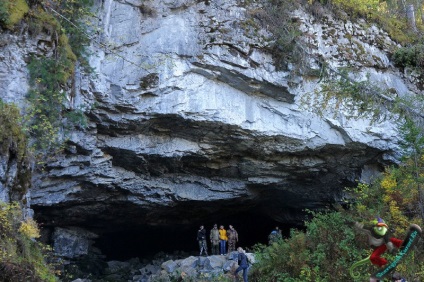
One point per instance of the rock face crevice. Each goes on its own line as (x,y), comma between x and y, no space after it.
(191,123)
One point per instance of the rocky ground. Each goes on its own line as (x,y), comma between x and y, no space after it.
(165,267)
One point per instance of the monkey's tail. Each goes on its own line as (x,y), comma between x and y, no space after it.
(356,274)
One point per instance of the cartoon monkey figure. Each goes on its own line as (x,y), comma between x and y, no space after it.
(379,239)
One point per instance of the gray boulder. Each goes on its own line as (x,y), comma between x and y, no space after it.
(229,266)
(214,262)
(190,262)
(170,266)
(150,269)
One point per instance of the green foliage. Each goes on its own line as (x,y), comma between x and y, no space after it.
(412,140)
(76,118)
(411,56)
(76,26)
(330,245)
(13,142)
(21,257)
(46,98)
(340,91)
(50,77)
(182,276)
(12,12)
(323,253)
(397,28)
(404,184)
(359,99)
(365,201)
(274,15)
(359,7)
(377,12)
(11,130)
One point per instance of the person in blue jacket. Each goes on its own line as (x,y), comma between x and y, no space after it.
(243,264)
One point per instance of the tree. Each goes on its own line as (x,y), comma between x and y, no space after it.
(413,145)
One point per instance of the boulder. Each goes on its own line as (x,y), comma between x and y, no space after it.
(170,266)
(190,262)
(214,262)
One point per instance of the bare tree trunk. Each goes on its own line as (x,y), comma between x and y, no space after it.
(410,14)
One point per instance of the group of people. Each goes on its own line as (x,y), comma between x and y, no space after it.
(219,239)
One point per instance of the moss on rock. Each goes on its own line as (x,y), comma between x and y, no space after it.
(12,12)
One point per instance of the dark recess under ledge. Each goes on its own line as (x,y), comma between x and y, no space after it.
(145,241)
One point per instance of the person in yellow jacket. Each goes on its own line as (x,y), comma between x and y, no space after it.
(222,240)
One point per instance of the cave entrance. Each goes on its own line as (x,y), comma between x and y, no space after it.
(144,241)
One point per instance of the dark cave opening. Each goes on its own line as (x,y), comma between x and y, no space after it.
(145,241)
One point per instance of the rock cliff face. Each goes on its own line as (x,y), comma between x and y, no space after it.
(191,123)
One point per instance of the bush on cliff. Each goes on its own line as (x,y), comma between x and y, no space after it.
(12,12)
(13,145)
(21,257)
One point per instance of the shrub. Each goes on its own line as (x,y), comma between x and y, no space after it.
(51,77)
(411,56)
(12,135)
(324,252)
(13,143)
(274,15)
(46,100)
(21,257)
(12,12)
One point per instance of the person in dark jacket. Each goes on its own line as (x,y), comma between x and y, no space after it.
(243,264)
(275,236)
(201,238)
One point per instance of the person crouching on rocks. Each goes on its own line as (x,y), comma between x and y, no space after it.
(243,264)
(201,238)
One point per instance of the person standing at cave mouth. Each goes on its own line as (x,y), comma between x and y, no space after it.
(214,236)
(232,239)
(222,240)
(201,238)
